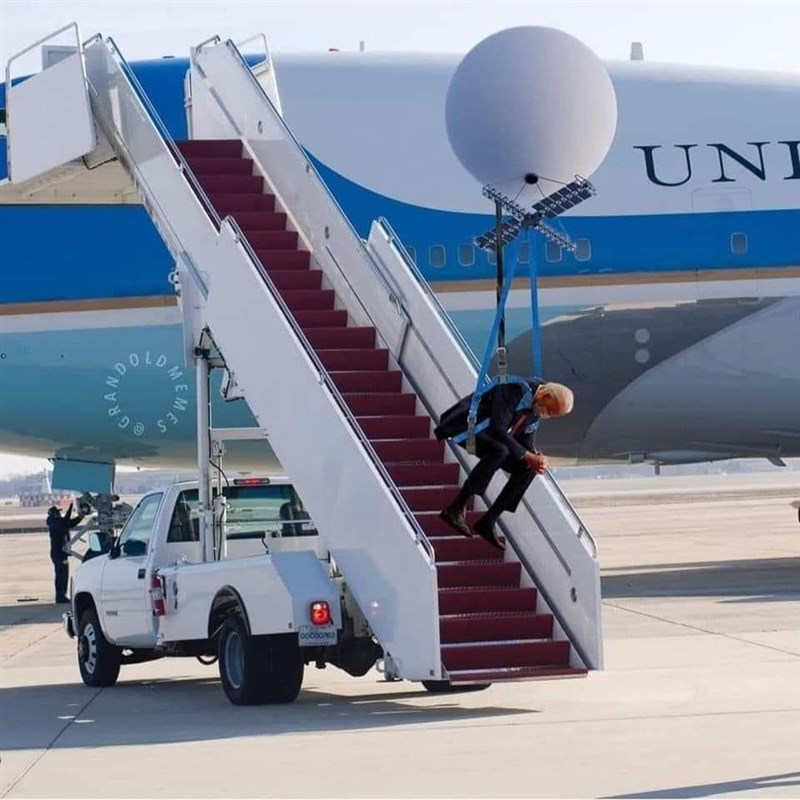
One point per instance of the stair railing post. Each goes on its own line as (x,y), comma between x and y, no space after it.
(206,517)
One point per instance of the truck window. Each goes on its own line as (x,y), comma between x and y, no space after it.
(254,512)
(136,534)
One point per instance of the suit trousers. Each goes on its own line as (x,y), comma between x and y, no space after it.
(493,456)
(61,568)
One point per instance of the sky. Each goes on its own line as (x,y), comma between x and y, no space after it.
(764,34)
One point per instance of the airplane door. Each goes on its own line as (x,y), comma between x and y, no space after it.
(128,616)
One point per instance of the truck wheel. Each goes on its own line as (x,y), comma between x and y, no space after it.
(445,687)
(256,670)
(98,659)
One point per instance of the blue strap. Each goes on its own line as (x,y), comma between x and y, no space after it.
(525,403)
(481,386)
(484,383)
(536,339)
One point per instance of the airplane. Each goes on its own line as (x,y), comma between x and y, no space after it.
(676,321)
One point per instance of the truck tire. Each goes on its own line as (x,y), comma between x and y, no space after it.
(445,687)
(98,660)
(256,670)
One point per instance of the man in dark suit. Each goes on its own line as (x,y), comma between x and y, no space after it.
(505,430)
(59,528)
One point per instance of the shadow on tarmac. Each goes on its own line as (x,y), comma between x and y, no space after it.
(783,781)
(33,612)
(747,580)
(182,710)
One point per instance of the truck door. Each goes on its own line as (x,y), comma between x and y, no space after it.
(128,616)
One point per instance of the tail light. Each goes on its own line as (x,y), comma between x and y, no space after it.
(320,613)
(158,595)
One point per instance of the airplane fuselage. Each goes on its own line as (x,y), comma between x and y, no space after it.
(676,322)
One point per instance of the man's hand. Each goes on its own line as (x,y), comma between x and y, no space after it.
(536,462)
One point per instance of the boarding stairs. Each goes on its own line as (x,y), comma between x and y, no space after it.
(345,357)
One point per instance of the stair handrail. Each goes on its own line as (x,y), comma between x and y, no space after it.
(322,373)
(325,378)
(9,80)
(162,129)
(384,277)
(394,239)
(253,38)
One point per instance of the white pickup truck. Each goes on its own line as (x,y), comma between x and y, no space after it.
(267,601)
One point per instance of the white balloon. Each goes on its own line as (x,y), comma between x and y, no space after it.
(530,100)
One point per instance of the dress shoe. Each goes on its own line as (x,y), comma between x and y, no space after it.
(456,519)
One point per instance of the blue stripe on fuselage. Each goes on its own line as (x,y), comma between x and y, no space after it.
(94,252)
(80,253)
(620,244)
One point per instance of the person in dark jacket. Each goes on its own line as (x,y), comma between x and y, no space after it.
(507,418)
(59,528)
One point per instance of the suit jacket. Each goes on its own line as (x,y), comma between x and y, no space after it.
(499,407)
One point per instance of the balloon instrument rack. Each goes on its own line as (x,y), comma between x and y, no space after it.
(555,204)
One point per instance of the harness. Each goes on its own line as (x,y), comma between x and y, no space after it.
(474,427)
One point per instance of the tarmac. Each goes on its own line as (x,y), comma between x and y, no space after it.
(700,695)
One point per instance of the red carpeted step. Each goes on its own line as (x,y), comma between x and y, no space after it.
(400,451)
(433,525)
(239,201)
(203,165)
(214,148)
(506,654)
(395,427)
(478,573)
(463,548)
(284,259)
(364,359)
(233,184)
(322,299)
(430,499)
(285,241)
(495,626)
(382,405)
(370,381)
(308,320)
(291,280)
(515,674)
(341,338)
(424,474)
(461,600)
(250,221)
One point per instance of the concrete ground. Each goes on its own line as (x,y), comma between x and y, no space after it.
(700,697)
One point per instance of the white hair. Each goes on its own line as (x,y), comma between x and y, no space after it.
(563,395)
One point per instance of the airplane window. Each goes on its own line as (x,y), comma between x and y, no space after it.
(739,244)
(584,250)
(552,252)
(412,252)
(466,255)
(524,253)
(437,256)
(491,258)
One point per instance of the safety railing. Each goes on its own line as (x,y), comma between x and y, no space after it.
(582,531)
(546,534)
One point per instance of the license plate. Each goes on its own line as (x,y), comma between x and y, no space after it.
(312,636)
